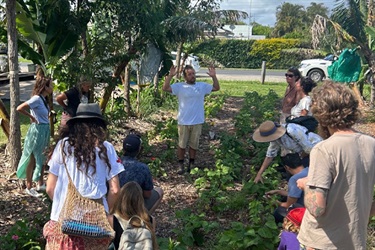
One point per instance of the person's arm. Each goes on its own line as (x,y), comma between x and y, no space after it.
(212,73)
(147,193)
(277,192)
(289,201)
(372,213)
(315,198)
(267,161)
(304,112)
(22,108)
(60,100)
(51,184)
(113,190)
(167,82)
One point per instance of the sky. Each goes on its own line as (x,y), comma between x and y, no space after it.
(264,11)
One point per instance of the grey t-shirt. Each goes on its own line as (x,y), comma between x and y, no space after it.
(345,165)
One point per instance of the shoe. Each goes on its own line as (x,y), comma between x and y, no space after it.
(32,192)
(41,188)
(182,170)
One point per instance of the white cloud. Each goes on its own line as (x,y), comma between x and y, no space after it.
(264,11)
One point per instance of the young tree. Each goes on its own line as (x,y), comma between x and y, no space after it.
(14,146)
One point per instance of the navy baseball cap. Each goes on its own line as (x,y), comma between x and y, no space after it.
(131,143)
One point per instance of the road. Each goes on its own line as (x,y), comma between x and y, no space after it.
(245,74)
(222,74)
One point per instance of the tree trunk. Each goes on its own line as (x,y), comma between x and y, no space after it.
(156,84)
(126,82)
(138,89)
(15,129)
(178,59)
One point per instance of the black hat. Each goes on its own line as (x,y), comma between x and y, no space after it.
(87,111)
(131,143)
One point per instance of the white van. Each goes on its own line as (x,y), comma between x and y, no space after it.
(190,60)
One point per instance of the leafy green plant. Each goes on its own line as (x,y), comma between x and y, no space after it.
(22,236)
(193,229)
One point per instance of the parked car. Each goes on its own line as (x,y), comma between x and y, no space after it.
(190,60)
(316,69)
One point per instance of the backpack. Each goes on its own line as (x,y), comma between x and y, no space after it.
(134,238)
(308,122)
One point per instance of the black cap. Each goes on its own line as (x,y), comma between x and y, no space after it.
(131,143)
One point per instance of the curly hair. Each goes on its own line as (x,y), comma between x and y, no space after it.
(84,136)
(334,106)
(289,226)
(307,84)
(130,202)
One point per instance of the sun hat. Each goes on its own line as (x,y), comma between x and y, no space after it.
(268,131)
(131,143)
(87,111)
(295,215)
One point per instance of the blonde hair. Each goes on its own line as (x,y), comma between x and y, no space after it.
(130,202)
(289,226)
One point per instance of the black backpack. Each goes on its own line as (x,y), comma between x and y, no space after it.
(308,122)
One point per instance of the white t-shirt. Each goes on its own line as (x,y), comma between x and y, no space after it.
(304,103)
(191,101)
(38,109)
(91,186)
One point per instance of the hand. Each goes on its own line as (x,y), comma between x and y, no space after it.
(301,183)
(33,120)
(258,178)
(272,192)
(173,71)
(211,71)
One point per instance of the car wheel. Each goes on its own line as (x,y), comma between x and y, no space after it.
(316,75)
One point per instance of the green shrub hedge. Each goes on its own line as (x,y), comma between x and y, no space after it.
(279,53)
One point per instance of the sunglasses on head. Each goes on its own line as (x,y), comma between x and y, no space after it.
(289,75)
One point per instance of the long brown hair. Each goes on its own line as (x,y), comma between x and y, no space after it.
(40,84)
(84,135)
(130,202)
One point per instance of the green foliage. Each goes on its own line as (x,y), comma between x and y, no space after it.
(228,53)
(156,167)
(22,236)
(170,244)
(269,50)
(256,109)
(213,104)
(193,229)
(293,57)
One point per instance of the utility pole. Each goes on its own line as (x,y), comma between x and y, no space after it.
(249,27)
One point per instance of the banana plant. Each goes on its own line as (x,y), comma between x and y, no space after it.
(49,25)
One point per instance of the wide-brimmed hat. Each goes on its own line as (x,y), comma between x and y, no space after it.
(87,111)
(295,215)
(268,131)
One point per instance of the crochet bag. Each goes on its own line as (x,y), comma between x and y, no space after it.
(134,238)
(82,216)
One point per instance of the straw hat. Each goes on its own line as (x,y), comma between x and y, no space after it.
(87,111)
(268,131)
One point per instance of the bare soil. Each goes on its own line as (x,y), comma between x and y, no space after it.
(179,193)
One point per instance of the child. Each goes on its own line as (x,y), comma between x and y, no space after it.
(291,224)
(129,203)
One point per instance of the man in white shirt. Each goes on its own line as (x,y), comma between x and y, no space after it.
(190,116)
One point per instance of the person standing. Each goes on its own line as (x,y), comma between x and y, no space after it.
(302,108)
(291,96)
(31,165)
(71,98)
(139,172)
(190,116)
(339,188)
(92,164)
